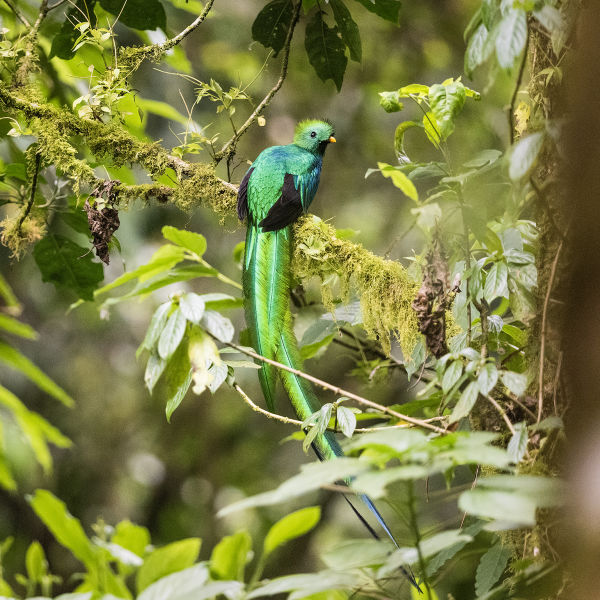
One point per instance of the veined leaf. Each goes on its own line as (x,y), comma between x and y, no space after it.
(172,334)
(517,447)
(490,568)
(390,101)
(348,29)
(346,420)
(386,9)
(291,526)
(487,378)
(16,360)
(400,180)
(511,38)
(515,382)
(326,51)
(446,102)
(451,375)
(466,402)
(477,51)
(194,242)
(229,557)
(192,307)
(157,324)
(272,24)
(496,282)
(67,265)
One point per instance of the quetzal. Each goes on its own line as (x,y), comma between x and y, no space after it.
(278,187)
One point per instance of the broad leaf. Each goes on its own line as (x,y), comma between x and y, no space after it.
(496,282)
(138,14)
(400,180)
(192,307)
(218,325)
(487,378)
(477,51)
(67,265)
(517,447)
(515,382)
(511,37)
(166,560)
(387,9)
(490,568)
(326,50)
(272,23)
(524,155)
(172,334)
(194,242)
(348,29)
(291,526)
(15,327)
(346,420)
(446,102)
(466,402)
(229,557)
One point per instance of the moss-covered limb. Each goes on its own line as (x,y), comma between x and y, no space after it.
(131,58)
(229,148)
(385,290)
(19,16)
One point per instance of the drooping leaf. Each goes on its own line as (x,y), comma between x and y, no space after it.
(390,101)
(172,334)
(291,526)
(169,559)
(451,375)
(446,102)
(218,325)
(517,446)
(194,242)
(466,402)
(67,265)
(487,378)
(229,557)
(524,155)
(490,568)
(272,23)
(192,307)
(157,324)
(12,357)
(138,14)
(400,180)
(499,505)
(348,28)
(496,281)
(387,9)
(154,369)
(346,420)
(326,50)
(477,51)
(511,37)
(65,527)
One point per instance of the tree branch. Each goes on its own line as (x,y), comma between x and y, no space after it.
(17,13)
(229,148)
(337,390)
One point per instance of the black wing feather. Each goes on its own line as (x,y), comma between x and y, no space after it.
(287,208)
(242,198)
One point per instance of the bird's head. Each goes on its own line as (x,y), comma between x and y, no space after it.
(314,135)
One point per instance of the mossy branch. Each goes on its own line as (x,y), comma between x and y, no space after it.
(384,288)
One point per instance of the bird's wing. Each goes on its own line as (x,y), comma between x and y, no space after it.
(242,198)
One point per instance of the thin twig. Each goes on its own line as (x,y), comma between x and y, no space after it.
(514,399)
(229,147)
(59,3)
(289,421)
(168,44)
(27,210)
(462,521)
(336,390)
(17,13)
(543,332)
(502,413)
(556,380)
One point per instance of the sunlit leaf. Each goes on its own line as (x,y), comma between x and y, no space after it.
(291,526)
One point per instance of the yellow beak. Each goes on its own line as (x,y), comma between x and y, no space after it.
(332,139)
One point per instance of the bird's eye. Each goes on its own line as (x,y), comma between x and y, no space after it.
(313,134)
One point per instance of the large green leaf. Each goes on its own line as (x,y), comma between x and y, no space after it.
(524,155)
(490,568)
(194,242)
(172,334)
(291,526)
(326,50)
(446,102)
(477,51)
(466,402)
(138,14)
(272,23)
(16,360)
(348,29)
(511,37)
(399,179)
(65,527)
(229,557)
(387,9)
(166,560)
(67,265)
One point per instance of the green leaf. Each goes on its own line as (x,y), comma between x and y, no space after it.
(346,420)
(499,505)
(166,560)
(390,102)
(432,129)
(386,9)
(35,562)
(64,527)
(291,527)
(524,155)
(229,557)
(311,350)
(271,26)
(348,29)
(172,334)
(442,557)
(490,568)
(511,38)
(67,265)
(157,324)
(446,102)
(218,325)
(306,585)
(517,447)
(15,327)
(311,477)
(177,379)
(496,282)
(466,402)
(515,382)
(356,554)
(16,360)
(326,50)
(400,180)
(452,375)
(138,14)
(165,258)
(194,242)
(192,307)
(154,369)
(64,40)
(477,51)
(132,537)
(487,378)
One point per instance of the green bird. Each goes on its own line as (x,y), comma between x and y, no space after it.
(279,187)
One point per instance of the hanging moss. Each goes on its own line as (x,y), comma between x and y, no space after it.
(19,235)
(384,287)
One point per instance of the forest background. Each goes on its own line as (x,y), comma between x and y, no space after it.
(475,158)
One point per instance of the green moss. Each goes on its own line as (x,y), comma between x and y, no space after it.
(19,236)
(384,287)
